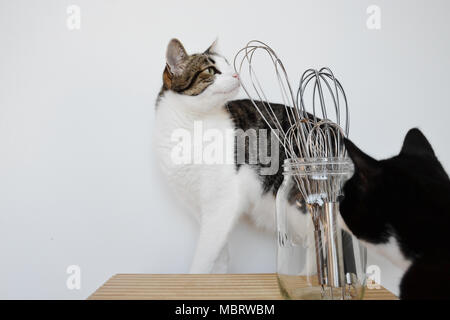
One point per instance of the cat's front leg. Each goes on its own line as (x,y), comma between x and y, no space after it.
(221,263)
(211,255)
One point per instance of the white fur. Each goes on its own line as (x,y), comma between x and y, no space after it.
(217,194)
(390,250)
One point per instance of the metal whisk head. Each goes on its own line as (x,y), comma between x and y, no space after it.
(315,129)
(328,125)
(244,65)
(317,114)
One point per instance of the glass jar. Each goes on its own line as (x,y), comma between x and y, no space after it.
(316,259)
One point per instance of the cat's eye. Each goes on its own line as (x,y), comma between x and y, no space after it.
(211,70)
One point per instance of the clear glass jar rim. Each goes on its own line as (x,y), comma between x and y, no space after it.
(289,162)
(307,166)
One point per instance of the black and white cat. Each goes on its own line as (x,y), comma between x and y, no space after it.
(196,98)
(400,207)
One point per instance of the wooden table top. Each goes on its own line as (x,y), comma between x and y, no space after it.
(201,287)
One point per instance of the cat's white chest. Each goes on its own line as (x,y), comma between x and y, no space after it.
(195,150)
(390,250)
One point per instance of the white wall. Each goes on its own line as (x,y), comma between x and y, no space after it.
(78,183)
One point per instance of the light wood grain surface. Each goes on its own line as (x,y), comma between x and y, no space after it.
(201,286)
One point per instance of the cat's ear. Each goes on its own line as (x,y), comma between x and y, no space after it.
(213,48)
(365,166)
(416,144)
(175,57)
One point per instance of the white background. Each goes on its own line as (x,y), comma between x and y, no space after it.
(78,183)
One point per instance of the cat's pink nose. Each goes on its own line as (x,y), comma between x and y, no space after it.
(235,75)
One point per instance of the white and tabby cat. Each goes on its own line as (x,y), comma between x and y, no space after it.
(199,88)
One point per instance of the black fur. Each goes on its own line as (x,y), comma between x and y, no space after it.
(408,197)
(245,117)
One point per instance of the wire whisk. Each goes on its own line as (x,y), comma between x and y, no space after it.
(317,133)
